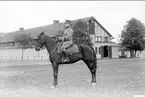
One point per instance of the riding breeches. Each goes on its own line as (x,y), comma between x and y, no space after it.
(66,44)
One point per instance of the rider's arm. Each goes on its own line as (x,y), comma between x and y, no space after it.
(68,35)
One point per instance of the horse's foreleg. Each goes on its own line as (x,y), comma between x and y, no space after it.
(55,73)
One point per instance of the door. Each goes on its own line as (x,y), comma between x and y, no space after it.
(102,51)
(110,51)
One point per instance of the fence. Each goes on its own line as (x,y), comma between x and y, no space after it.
(41,58)
(27,54)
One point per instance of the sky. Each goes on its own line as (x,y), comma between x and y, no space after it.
(113,15)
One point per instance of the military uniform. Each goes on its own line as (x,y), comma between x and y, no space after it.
(67,41)
(67,38)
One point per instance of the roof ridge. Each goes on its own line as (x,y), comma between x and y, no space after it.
(52,24)
(49,28)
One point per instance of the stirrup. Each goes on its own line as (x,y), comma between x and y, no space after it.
(65,60)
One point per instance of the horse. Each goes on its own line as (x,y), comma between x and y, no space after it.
(86,54)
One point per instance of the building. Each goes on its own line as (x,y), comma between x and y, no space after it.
(1,35)
(101,38)
(103,45)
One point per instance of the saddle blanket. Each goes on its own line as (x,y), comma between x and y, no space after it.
(72,49)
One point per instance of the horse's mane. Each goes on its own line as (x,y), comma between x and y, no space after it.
(53,39)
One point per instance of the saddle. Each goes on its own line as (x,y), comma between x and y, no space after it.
(73,48)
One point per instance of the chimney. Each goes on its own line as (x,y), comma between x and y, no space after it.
(55,21)
(68,21)
(21,29)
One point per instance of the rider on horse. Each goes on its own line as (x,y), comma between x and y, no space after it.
(67,41)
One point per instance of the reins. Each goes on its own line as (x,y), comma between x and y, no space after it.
(54,49)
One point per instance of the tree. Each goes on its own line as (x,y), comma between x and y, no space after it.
(81,33)
(24,40)
(132,36)
(59,33)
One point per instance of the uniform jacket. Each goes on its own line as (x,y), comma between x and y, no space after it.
(67,38)
(68,35)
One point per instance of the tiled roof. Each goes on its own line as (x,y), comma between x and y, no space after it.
(2,34)
(50,30)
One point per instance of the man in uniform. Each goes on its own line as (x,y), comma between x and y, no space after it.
(67,41)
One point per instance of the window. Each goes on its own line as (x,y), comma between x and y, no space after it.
(90,21)
(96,38)
(106,39)
(96,50)
(99,38)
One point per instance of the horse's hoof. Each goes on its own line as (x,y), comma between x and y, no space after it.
(53,87)
(93,84)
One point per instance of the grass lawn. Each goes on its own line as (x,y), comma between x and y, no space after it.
(115,78)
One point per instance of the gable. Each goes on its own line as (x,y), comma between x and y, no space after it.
(99,27)
(101,32)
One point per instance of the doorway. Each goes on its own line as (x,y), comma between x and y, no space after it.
(105,51)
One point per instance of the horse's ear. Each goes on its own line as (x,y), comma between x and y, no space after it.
(42,33)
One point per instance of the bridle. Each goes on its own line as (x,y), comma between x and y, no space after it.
(44,44)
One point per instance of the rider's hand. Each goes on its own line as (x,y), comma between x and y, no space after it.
(59,38)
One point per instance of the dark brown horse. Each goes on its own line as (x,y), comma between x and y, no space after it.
(87,54)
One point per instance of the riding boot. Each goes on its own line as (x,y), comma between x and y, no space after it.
(63,56)
(65,53)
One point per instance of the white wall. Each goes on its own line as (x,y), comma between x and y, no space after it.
(138,54)
(28,54)
(115,52)
(141,54)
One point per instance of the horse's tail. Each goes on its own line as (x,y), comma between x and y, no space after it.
(94,55)
(81,48)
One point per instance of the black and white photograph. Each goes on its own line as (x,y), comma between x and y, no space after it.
(72,48)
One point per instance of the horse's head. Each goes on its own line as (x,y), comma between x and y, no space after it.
(40,41)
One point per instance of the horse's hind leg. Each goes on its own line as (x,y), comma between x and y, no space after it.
(92,67)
